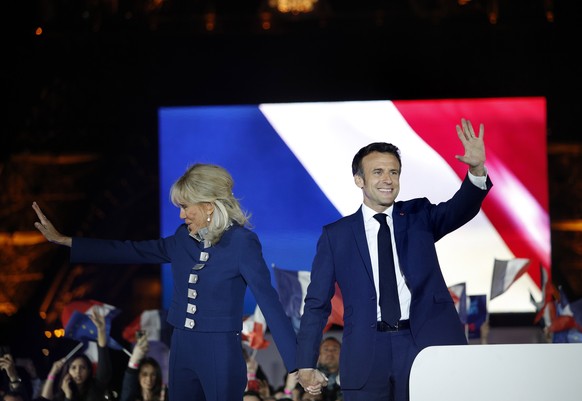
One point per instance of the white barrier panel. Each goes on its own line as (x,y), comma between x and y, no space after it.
(498,372)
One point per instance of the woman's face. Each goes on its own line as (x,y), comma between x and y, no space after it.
(79,371)
(196,216)
(147,377)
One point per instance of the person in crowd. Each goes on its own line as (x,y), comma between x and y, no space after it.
(215,256)
(47,389)
(290,390)
(77,381)
(28,365)
(12,382)
(328,364)
(256,379)
(142,380)
(388,248)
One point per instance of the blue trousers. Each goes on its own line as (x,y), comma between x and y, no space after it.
(391,364)
(206,367)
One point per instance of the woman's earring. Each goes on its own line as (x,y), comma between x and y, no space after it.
(208,218)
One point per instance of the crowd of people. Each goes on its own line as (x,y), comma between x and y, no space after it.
(69,379)
(77,378)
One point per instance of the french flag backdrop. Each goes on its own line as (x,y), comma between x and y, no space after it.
(291,163)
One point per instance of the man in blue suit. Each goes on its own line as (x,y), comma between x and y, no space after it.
(377,355)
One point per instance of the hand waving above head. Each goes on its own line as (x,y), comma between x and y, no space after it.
(474,147)
(47,229)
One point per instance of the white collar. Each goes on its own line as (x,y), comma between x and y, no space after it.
(369,212)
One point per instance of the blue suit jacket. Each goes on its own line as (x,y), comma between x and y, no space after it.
(342,255)
(233,263)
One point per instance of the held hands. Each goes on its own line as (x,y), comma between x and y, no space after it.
(312,380)
(474,155)
(47,229)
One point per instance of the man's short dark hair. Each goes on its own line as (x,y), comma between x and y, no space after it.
(381,147)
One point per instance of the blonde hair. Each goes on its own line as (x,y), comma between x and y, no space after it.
(213,184)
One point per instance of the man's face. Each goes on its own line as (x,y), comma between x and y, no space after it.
(381,181)
(329,353)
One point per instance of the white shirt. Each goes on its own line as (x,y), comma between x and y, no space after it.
(372,227)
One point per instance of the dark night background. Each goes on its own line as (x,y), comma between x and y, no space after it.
(81,99)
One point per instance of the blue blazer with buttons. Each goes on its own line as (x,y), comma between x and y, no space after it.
(233,263)
(342,255)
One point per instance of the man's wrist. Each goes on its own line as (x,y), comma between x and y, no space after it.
(478,171)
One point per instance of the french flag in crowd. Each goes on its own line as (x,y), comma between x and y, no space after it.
(159,332)
(153,321)
(253,330)
(547,296)
(505,273)
(459,294)
(292,287)
(79,326)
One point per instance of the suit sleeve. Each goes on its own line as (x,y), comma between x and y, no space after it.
(88,250)
(465,204)
(258,277)
(317,304)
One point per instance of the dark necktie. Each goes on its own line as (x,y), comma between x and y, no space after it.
(389,303)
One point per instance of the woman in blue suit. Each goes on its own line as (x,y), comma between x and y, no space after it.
(214,256)
(377,352)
